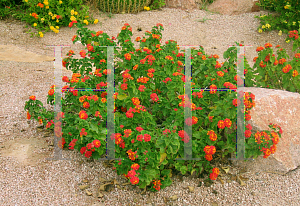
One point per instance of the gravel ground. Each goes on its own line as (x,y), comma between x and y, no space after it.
(45,182)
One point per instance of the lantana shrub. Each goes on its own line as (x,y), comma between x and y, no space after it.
(150,92)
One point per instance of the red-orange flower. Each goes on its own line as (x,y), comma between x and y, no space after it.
(86,105)
(281,61)
(83,115)
(135,101)
(258,49)
(88,154)
(135,166)
(287,68)
(134,180)
(221,124)
(208,157)
(28,115)
(295,73)
(210,150)
(268,45)
(83,132)
(32,98)
(127,56)
(51,92)
(247,133)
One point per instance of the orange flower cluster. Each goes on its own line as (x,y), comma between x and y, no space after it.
(214,174)
(209,151)
(184,136)
(61,143)
(132,155)
(127,56)
(40,5)
(191,121)
(294,34)
(212,135)
(83,115)
(169,57)
(75,77)
(32,98)
(213,89)
(226,123)
(156,36)
(127,132)
(135,101)
(287,68)
(156,184)
(72,144)
(143,80)
(35,15)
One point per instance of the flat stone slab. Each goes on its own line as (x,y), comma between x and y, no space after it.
(14,53)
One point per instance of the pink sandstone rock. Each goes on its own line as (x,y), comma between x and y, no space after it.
(181,4)
(231,7)
(281,108)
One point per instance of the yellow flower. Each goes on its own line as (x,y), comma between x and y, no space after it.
(294,23)
(47,7)
(285,21)
(53,17)
(60,2)
(41,34)
(263,26)
(52,27)
(86,22)
(26,0)
(146,8)
(42,19)
(73,18)
(259,30)
(56,31)
(280,33)
(268,25)
(76,12)
(86,17)
(46,3)
(57,27)
(50,14)
(34,24)
(287,6)
(288,41)
(57,20)
(72,12)
(96,21)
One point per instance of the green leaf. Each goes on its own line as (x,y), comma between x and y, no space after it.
(122,97)
(193,170)
(165,172)
(143,185)
(162,157)
(94,128)
(220,144)
(183,169)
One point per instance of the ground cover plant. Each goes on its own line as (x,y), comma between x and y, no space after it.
(286,20)
(153,72)
(50,15)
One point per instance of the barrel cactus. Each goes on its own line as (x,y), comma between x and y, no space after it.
(123,6)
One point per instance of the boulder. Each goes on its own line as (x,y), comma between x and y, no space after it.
(281,108)
(231,7)
(181,4)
